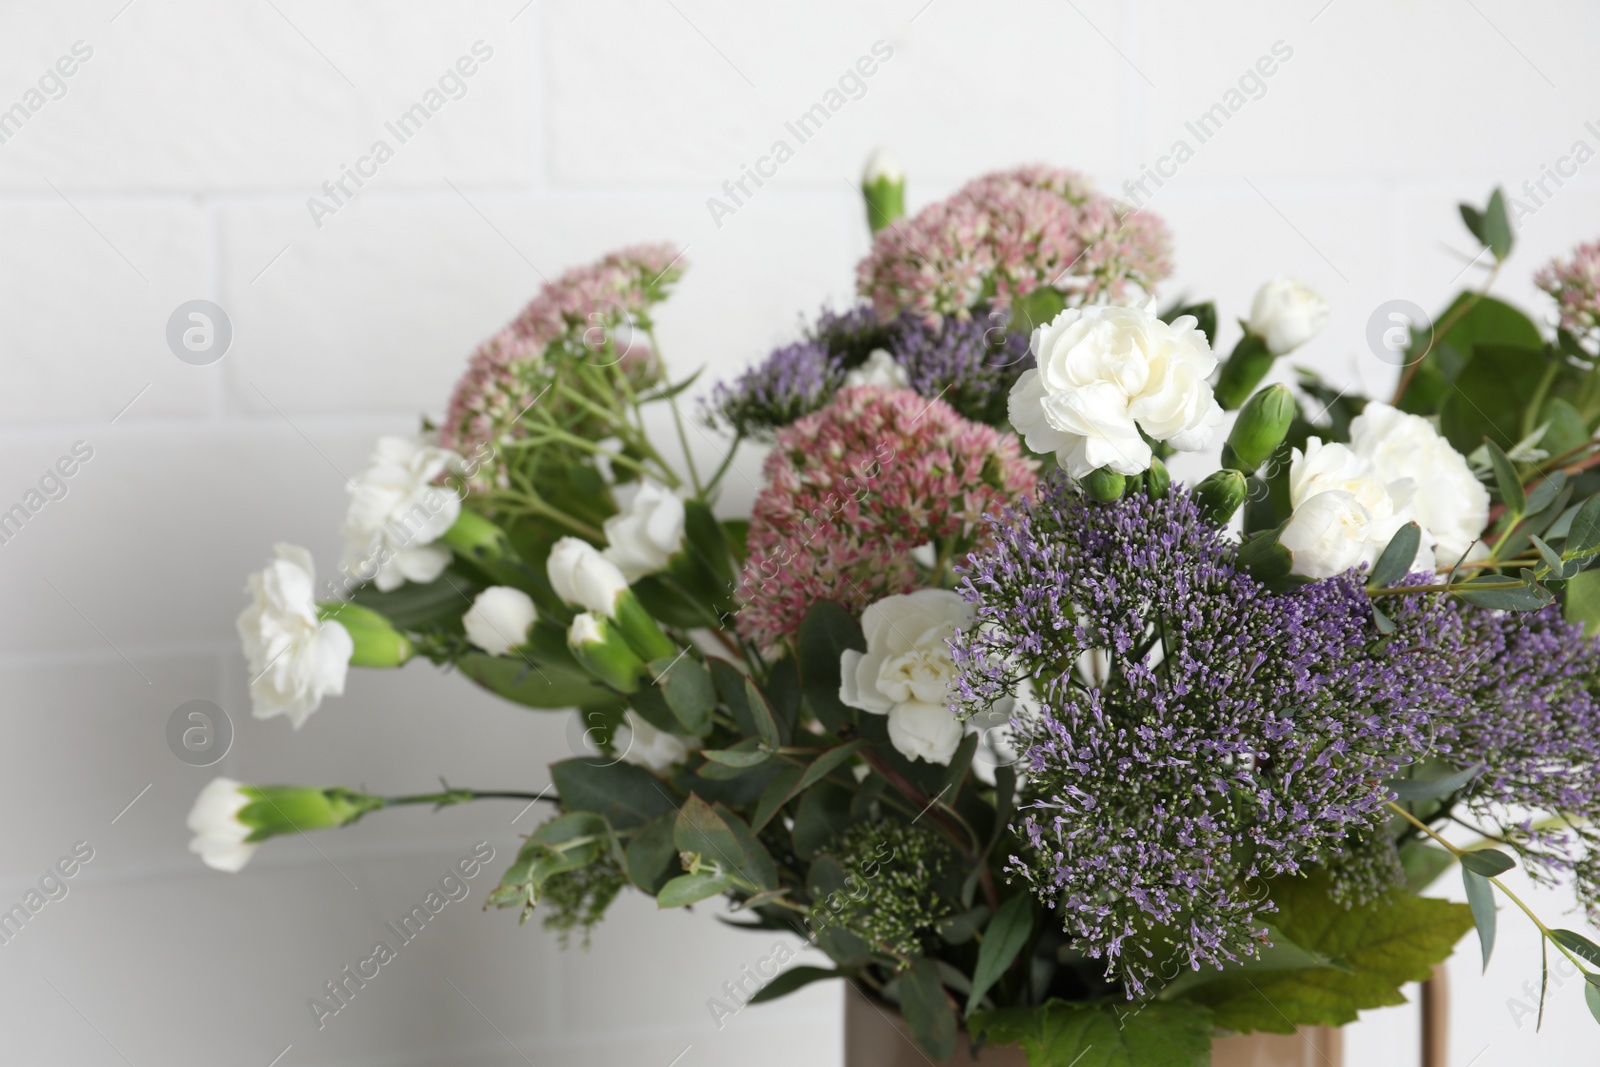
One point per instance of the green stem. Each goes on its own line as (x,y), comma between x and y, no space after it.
(463,796)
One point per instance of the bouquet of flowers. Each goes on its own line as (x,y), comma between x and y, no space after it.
(1022,737)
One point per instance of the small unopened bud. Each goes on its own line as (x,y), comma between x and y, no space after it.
(883,184)
(640,629)
(1219,495)
(598,646)
(1260,429)
(376,642)
(1156,480)
(1243,371)
(475,537)
(1105,485)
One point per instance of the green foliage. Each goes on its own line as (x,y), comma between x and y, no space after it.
(1480,898)
(624,795)
(928,1012)
(1380,946)
(1003,939)
(1059,1034)
(827,631)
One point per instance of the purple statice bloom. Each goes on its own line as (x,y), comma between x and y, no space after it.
(1190,734)
(970,364)
(792,382)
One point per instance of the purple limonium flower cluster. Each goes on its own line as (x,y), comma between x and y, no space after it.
(1192,734)
(968,363)
(1528,687)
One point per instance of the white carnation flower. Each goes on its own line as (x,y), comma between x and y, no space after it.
(295,658)
(1286,314)
(219,836)
(397,513)
(499,618)
(1104,374)
(906,671)
(1345,514)
(1448,500)
(645,535)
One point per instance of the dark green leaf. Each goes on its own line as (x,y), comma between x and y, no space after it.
(761,712)
(784,785)
(1487,862)
(1578,945)
(1480,897)
(1423,864)
(524,682)
(625,795)
(927,1010)
(1059,1034)
(1384,624)
(1506,479)
(1552,559)
(823,811)
(1497,232)
(652,856)
(826,633)
(959,929)
(703,534)
(701,831)
(825,763)
(1544,494)
(1565,431)
(689,888)
(1395,563)
(747,753)
(1007,932)
(1431,788)
(422,606)
(792,979)
(1583,536)
(1491,394)
(960,762)
(757,868)
(1478,321)
(686,684)
(1473,218)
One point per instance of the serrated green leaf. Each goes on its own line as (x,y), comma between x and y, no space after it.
(927,1011)
(1003,938)
(689,888)
(1488,862)
(1379,947)
(1480,897)
(1395,563)
(1506,479)
(1059,1034)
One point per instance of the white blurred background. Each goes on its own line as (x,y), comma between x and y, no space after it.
(176,162)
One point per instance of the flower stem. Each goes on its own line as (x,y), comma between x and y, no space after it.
(463,796)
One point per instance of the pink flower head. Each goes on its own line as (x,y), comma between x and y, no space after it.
(595,312)
(1575,285)
(854,488)
(1007,234)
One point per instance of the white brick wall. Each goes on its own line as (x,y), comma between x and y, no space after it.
(177,164)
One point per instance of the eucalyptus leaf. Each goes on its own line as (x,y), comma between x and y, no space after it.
(1488,862)
(1480,898)
(1431,788)
(1506,479)
(1583,536)
(625,795)
(1578,945)
(794,978)
(1004,937)
(1395,562)
(686,685)
(824,764)
(826,633)
(701,831)
(927,1010)
(761,712)
(690,888)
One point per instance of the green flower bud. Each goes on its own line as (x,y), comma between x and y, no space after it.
(1220,495)
(1260,428)
(640,629)
(1249,363)
(476,538)
(377,642)
(1104,485)
(274,810)
(1156,480)
(883,184)
(600,649)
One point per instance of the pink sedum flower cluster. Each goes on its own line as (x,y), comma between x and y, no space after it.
(1005,235)
(854,488)
(1575,285)
(582,309)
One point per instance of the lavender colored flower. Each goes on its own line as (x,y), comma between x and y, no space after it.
(1194,733)
(1528,715)
(970,364)
(791,383)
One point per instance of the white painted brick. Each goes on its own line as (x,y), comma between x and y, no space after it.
(1372,89)
(679,111)
(89,286)
(183,97)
